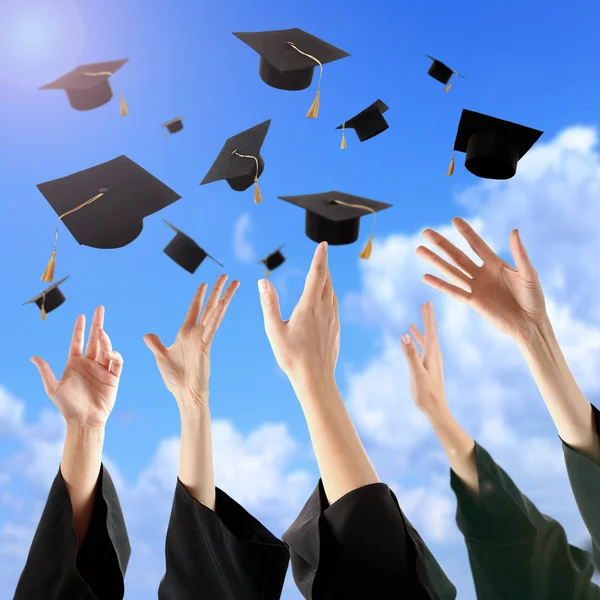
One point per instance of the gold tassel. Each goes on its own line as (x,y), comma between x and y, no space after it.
(124,110)
(343,144)
(366,253)
(267,272)
(257,195)
(313,111)
(451,167)
(43,313)
(447,88)
(48,274)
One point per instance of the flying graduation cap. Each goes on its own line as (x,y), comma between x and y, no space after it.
(334,217)
(274,260)
(442,73)
(50,299)
(104,206)
(367,124)
(288,58)
(240,162)
(185,251)
(87,86)
(493,146)
(173,126)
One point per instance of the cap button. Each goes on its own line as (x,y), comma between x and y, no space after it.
(103,190)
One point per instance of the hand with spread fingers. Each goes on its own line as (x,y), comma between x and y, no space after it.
(87,390)
(185,365)
(511,299)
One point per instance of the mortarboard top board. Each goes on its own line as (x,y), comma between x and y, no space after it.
(114,198)
(441,72)
(87,86)
(185,251)
(50,299)
(367,123)
(288,58)
(274,260)
(493,146)
(330,219)
(174,125)
(240,162)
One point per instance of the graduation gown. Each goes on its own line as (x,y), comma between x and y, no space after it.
(362,546)
(584,475)
(56,570)
(222,555)
(516,552)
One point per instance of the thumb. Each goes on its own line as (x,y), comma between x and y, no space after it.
(48,378)
(415,366)
(155,345)
(269,301)
(522,262)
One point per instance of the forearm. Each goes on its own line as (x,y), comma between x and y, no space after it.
(568,407)
(196,470)
(343,462)
(80,468)
(459,448)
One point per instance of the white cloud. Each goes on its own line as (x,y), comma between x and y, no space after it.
(242,246)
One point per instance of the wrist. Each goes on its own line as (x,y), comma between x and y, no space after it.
(538,333)
(79,428)
(307,386)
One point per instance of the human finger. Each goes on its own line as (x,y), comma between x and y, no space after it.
(76,347)
(191,318)
(474,240)
(317,274)
(213,299)
(218,313)
(451,290)
(458,257)
(454,274)
(48,378)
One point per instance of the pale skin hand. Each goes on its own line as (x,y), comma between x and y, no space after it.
(306,348)
(185,370)
(426,370)
(85,395)
(513,301)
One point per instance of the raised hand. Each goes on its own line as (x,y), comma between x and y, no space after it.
(185,365)
(426,369)
(87,389)
(511,299)
(308,344)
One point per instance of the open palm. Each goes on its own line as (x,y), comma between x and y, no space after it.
(511,299)
(87,390)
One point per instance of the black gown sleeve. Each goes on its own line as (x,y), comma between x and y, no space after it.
(515,551)
(56,569)
(584,475)
(362,546)
(222,555)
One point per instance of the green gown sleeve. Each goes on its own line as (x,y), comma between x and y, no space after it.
(222,555)
(515,551)
(362,546)
(584,475)
(56,569)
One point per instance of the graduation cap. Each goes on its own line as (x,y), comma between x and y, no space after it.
(367,124)
(87,86)
(115,197)
(442,73)
(274,260)
(50,299)
(493,146)
(174,125)
(185,251)
(288,58)
(240,162)
(334,217)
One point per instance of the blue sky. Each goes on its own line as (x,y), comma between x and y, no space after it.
(526,62)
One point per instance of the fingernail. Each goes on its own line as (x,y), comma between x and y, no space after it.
(406,339)
(324,244)
(262,285)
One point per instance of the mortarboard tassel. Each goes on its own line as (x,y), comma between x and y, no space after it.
(343,144)
(267,272)
(257,195)
(313,111)
(48,274)
(123,109)
(368,249)
(43,315)
(447,88)
(450,171)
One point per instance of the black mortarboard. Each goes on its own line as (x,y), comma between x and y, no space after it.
(288,58)
(115,197)
(493,146)
(185,251)
(87,86)
(49,299)
(440,72)
(274,260)
(240,162)
(334,217)
(367,124)
(174,125)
